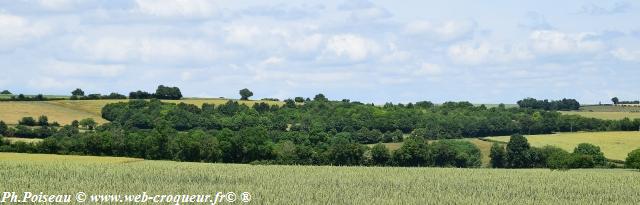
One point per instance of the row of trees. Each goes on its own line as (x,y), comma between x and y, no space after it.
(564,104)
(616,101)
(250,145)
(78,94)
(162,92)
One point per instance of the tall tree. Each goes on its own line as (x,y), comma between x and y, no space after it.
(615,100)
(518,152)
(633,159)
(168,93)
(77,92)
(5,92)
(498,155)
(380,154)
(245,94)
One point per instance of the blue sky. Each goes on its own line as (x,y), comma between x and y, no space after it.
(370,51)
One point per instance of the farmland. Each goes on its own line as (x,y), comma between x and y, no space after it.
(65,111)
(606,112)
(614,145)
(604,115)
(317,184)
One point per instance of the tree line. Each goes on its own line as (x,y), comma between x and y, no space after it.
(316,132)
(564,104)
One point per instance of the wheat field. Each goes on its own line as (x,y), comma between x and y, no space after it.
(317,184)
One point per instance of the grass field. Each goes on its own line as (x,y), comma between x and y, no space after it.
(614,145)
(609,108)
(604,115)
(17,139)
(65,111)
(56,174)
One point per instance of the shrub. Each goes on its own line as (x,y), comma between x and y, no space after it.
(633,159)
(518,152)
(593,151)
(498,155)
(380,154)
(27,121)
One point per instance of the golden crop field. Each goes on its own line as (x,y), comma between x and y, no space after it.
(614,145)
(317,184)
(604,115)
(11,112)
(65,111)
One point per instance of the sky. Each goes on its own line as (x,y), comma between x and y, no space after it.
(369,51)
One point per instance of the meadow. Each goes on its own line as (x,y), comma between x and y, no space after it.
(614,145)
(613,115)
(65,111)
(317,184)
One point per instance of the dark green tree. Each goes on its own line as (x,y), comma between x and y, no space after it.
(3,128)
(320,98)
(43,120)
(593,151)
(168,93)
(414,152)
(88,123)
(498,155)
(380,154)
(77,92)
(633,159)
(615,100)
(245,94)
(5,92)
(518,152)
(28,121)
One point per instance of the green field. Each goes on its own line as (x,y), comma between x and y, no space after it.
(614,145)
(27,140)
(65,111)
(56,174)
(604,115)
(609,108)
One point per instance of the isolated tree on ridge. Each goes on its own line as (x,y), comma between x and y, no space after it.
(245,94)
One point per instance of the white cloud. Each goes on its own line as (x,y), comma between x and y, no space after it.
(176,8)
(626,55)
(484,52)
(145,49)
(445,31)
(307,43)
(242,34)
(372,13)
(555,42)
(15,30)
(395,54)
(428,69)
(351,46)
(58,5)
(68,69)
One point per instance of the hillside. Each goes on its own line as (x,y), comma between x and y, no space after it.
(65,111)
